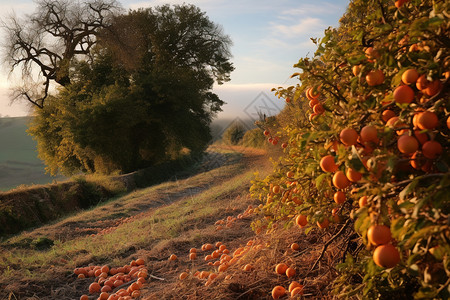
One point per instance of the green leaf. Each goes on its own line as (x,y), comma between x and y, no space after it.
(320,179)
(421,234)
(307,230)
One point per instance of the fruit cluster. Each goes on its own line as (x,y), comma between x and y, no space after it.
(115,283)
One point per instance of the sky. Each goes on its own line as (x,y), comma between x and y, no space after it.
(269,37)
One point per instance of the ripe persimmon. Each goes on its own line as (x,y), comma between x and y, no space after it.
(433,87)
(339,197)
(297,291)
(404,94)
(327,164)
(427,120)
(94,288)
(375,78)
(372,53)
(293,285)
(348,136)
(324,224)
(173,257)
(369,133)
(301,220)
(266,132)
(432,149)
(410,76)
(278,292)
(295,246)
(281,268)
(356,69)
(183,275)
(422,83)
(340,181)
(387,114)
(421,136)
(386,256)
(362,201)
(290,272)
(248,268)
(276,189)
(135,294)
(318,109)
(192,256)
(407,144)
(84,297)
(353,175)
(379,234)
(103,296)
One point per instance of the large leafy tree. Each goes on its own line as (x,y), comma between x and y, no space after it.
(144,97)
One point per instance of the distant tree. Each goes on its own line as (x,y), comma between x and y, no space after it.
(144,97)
(234,133)
(43,45)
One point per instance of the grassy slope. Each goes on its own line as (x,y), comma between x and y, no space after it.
(149,223)
(19,163)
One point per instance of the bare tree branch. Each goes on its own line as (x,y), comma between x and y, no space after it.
(45,43)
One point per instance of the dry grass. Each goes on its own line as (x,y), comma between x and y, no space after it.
(266,252)
(158,221)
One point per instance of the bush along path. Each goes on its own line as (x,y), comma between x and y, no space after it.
(367,149)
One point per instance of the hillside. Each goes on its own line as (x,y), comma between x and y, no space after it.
(19,163)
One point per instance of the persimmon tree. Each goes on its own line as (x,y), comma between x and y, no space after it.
(369,148)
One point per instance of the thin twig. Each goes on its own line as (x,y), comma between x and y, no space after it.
(325,246)
(154,277)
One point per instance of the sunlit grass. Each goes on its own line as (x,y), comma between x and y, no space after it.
(163,224)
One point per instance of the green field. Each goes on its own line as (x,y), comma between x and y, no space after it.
(19,163)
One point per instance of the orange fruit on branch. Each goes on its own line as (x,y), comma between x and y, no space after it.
(374,78)
(427,120)
(301,220)
(410,76)
(387,114)
(407,144)
(348,136)
(327,164)
(404,94)
(432,149)
(324,224)
(422,83)
(353,175)
(369,133)
(379,234)
(386,256)
(339,197)
(340,181)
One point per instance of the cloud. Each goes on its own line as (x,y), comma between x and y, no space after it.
(306,26)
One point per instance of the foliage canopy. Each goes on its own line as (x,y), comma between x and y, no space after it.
(144,97)
(360,120)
